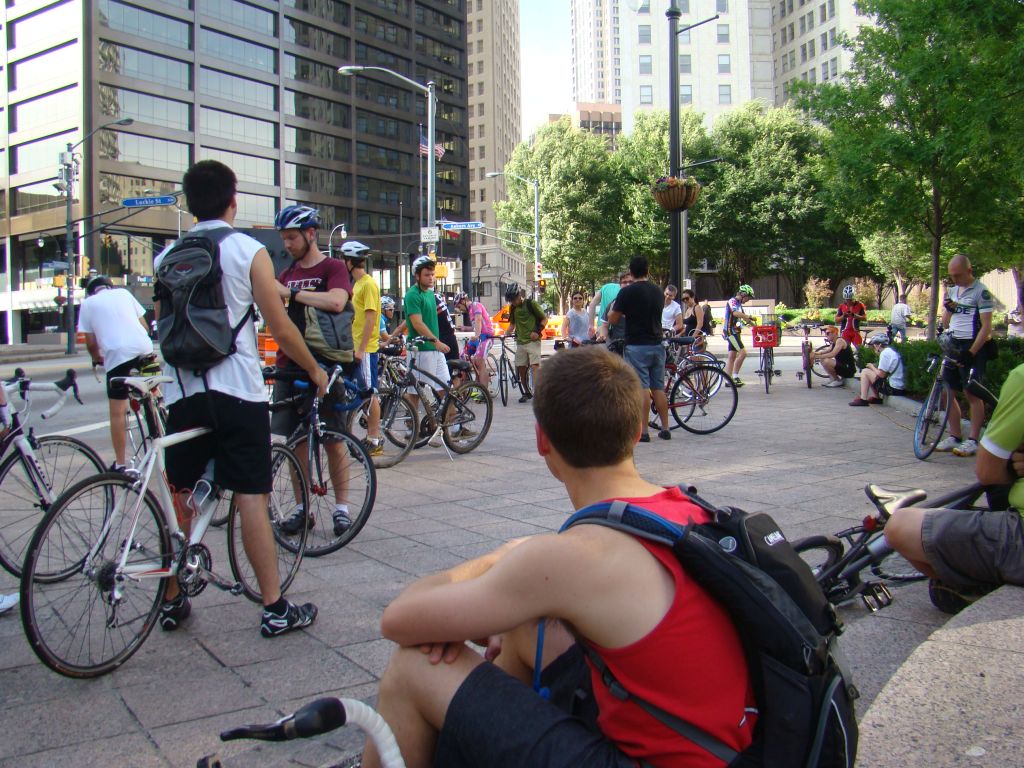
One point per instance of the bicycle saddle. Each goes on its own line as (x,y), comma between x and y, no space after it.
(459,365)
(391,351)
(888,500)
(681,339)
(145,383)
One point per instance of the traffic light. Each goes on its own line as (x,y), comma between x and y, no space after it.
(537,272)
(83,265)
(542,284)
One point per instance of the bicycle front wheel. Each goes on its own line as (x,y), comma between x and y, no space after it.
(503,377)
(468,425)
(820,553)
(25,496)
(817,368)
(693,404)
(767,368)
(492,376)
(83,614)
(931,421)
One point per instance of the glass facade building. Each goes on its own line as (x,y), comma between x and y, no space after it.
(252,83)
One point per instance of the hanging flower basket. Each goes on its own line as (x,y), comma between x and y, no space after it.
(676,194)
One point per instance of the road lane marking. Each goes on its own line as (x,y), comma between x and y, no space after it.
(80,430)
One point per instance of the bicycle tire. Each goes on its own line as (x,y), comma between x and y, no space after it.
(492,376)
(767,368)
(398,428)
(466,399)
(816,367)
(820,553)
(929,427)
(693,406)
(64,461)
(805,351)
(359,491)
(503,377)
(708,359)
(290,547)
(54,580)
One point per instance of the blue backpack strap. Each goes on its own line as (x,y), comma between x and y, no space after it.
(628,518)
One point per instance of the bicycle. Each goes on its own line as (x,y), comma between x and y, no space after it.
(677,359)
(766,338)
(461,416)
(352,480)
(95,571)
(693,402)
(507,373)
(838,561)
(809,365)
(934,414)
(398,422)
(35,470)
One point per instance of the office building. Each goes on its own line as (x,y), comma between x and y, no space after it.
(251,83)
(596,50)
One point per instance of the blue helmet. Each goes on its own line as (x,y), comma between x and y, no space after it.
(297,217)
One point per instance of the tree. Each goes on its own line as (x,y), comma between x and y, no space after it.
(899,256)
(579,204)
(918,124)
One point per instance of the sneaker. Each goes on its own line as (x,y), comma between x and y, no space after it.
(174,612)
(294,617)
(665,434)
(833,383)
(645,437)
(525,398)
(949,599)
(130,472)
(858,402)
(7,602)
(293,522)
(948,443)
(436,441)
(968,447)
(737,381)
(876,401)
(342,522)
(375,447)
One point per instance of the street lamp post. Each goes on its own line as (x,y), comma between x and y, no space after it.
(536,215)
(68,168)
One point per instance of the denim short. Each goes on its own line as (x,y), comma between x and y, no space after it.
(649,363)
(974,548)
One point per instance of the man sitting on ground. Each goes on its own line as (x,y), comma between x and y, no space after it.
(837,360)
(625,598)
(965,553)
(888,372)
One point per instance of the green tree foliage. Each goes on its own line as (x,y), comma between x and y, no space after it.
(921,122)
(901,257)
(579,201)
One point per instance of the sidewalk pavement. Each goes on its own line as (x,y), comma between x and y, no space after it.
(802,455)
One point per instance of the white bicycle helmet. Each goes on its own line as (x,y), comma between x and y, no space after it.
(355,250)
(460,296)
(421,262)
(386,303)
(879,337)
(848,292)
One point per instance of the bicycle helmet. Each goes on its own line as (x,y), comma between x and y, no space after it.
(948,346)
(512,293)
(297,217)
(355,251)
(747,290)
(421,262)
(848,292)
(96,283)
(879,337)
(460,297)
(386,303)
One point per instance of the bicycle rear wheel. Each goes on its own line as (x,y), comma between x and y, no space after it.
(693,405)
(471,420)
(80,615)
(767,368)
(503,377)
(492,376)
(817,368)
(821,553)
(64,461)
(397,428)
(286,487)
(931,421)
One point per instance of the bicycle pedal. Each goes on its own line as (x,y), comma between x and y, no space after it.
(778,373)
(235,589)
(876,596)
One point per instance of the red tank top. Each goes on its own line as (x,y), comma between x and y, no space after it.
(691,665)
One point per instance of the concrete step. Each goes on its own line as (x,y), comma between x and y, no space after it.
(23,353)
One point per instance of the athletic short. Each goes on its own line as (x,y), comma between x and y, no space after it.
(649,363)
(847,371)
(958,376)
(239,443)
(482,348)
(734,341)
(852,337)
(118,390)
(974,549)
(431,361)
(527,354)
(285,422)
(497,721)
(367,371)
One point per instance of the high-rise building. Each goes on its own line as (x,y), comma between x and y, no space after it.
(494,109)
(596,51)
(252,83)
(601,119)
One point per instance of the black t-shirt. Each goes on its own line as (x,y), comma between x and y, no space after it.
(641,303)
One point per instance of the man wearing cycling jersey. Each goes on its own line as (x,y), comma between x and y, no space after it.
(365,335)
(850,315)
(731,329)
(627,599)
(483,332)
(968,553)
(967,313)
(117,337)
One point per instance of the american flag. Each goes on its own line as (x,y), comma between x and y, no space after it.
(424,148)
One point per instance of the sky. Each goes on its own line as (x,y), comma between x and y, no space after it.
(545,61)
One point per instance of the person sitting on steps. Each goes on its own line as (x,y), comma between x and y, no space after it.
(888,373)
(837,360)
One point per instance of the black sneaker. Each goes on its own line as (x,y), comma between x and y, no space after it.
(952,600)
(293,522)
(645,437)
(342,522)
(174,612)
(665,434)
(295,617)
(526,398)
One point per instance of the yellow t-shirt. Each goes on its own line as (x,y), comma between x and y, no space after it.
(366,295)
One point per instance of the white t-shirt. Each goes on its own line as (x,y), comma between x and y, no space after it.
(669,315)
(112,316)
(891,362)
(239,374)
(900,313)
(973,300)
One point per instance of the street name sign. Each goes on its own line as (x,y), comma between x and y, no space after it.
(147,202)
(456,225)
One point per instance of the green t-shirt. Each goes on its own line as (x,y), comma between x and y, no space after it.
(1005,431)
(526,319)
(422,303)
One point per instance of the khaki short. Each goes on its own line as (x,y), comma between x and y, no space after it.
(528,354)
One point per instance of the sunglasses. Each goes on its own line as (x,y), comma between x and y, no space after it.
(577,298)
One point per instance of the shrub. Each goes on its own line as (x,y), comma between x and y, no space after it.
(865,290)
(919,301)
(817,292)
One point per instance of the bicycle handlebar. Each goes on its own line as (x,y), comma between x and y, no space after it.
(24,385)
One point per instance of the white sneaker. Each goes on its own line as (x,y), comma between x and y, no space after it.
(833,383)
(436,441)
(968,447)
(948,444)
(8,602)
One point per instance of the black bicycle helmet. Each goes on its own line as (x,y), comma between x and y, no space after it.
(297,217)
(512,293)
(96,282)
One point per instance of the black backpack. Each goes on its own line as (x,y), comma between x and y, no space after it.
(788,629)
(194,331)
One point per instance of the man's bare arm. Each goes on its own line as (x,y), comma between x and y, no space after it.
(334,300)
